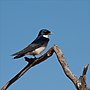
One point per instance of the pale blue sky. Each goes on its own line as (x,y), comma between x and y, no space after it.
(20,22)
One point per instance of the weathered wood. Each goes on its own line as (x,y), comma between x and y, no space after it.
(80,83)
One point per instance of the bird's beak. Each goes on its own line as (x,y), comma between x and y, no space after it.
(50,33)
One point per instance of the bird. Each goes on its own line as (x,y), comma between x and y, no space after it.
(37,46)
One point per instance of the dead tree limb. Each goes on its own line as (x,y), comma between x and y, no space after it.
(31,62)
(80,83)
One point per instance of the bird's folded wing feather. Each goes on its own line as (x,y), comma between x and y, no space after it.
(35,44)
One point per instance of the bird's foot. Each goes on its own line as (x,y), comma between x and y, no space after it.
(30,60)
(35,57)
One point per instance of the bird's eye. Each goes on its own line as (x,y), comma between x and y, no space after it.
(45,31)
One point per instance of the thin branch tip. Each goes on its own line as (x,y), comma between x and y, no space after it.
(85,70)
(86,66)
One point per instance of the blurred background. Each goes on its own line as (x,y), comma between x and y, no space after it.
(20,22)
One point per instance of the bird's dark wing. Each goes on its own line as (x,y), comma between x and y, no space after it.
(34,45)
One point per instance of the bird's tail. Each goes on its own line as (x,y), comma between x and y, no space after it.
(18,56)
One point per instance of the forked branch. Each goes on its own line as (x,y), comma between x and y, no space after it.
(79,84)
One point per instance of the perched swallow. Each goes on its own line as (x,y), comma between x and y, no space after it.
(37,46)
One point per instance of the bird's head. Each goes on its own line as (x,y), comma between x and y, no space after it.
(44,32)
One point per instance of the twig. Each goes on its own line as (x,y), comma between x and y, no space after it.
(82,79)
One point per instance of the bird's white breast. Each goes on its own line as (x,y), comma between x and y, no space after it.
(36,51)
(39,50)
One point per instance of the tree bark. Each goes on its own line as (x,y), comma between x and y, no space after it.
(80,83)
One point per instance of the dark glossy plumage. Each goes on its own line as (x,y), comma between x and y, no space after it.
(40,41)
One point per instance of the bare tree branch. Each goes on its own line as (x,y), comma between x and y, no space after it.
(82,79)
(80,83)
(31,62)
(65,66)
(85,70)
